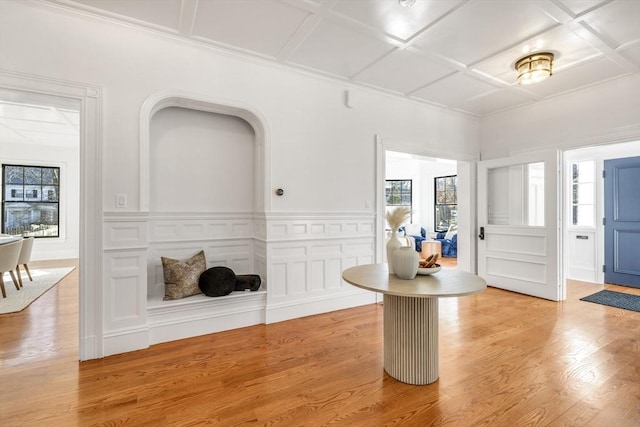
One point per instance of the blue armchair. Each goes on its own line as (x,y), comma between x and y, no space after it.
(449,246)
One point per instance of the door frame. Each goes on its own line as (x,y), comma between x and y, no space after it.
(466,196)
(90,245)
(598,153)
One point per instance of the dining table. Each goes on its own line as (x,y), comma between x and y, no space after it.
(5,238)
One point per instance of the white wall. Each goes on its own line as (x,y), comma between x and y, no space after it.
(320,152)
(603,114)
(200,162)
(318,143)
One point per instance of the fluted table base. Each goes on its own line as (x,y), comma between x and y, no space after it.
(411,339)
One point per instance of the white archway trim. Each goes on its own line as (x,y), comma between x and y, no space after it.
(90,251)
(183,99)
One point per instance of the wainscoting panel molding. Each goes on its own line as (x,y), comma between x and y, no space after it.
(512,268)
(582,255)
(124,232)
(124,300)
(299,257)
(527,245)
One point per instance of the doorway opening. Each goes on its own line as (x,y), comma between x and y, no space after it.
(40,159)
(87,100)
(465,169)
(584,209)
(415,181)
(43,132)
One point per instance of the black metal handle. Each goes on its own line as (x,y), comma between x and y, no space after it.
(481,235)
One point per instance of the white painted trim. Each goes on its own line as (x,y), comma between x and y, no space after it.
(598,153)
(468,227)
(380,201)
(281,311)
(125,340)
(243,55)
(90,97)
(444,153)
(467,224)
(304,247)
(200,315)
(608,136)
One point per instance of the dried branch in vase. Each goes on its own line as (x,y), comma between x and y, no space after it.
(398,216)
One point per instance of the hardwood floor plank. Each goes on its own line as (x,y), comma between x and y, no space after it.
(505,360)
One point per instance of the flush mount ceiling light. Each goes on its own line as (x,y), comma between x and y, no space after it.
(534,68)
(406,3)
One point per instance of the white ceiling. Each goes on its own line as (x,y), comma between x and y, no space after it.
(458,54)
(29,118)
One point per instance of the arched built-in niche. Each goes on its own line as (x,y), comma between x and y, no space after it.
(201,162)
(185,100)
(203,182)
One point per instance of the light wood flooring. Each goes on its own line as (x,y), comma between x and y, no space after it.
(505,360)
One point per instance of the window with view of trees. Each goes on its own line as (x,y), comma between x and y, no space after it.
(398,192)
(30,200)
(446,202)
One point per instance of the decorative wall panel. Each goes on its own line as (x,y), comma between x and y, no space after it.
(317,275)
(516,269)
(299,257)
(125,279)
(124,232)
(581,255)
(529,245)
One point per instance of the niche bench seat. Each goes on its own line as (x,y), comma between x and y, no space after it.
(201,315)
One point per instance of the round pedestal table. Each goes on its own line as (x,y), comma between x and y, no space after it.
(411,315)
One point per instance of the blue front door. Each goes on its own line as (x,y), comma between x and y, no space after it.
(622,221)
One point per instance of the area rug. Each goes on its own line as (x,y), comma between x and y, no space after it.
(43,280)
(615,299)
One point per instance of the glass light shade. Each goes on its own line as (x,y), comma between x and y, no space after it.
(534,68)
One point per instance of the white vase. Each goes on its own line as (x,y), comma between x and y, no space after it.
(392,245)
(405,262)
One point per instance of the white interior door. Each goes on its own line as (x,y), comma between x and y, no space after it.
(518,219)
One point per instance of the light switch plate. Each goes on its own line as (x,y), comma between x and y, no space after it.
(121,200)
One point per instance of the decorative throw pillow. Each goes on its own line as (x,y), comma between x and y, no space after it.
(217,281)
(452,231)
(414,230)
(181,278)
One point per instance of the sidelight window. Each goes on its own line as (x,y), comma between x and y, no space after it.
(583,192)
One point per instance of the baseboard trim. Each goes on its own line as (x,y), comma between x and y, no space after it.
(278,312)
(174,320)
(123,341)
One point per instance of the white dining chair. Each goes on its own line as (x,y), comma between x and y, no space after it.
(9,253)
(24,258)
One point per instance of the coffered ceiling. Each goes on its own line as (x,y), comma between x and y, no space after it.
(457,54)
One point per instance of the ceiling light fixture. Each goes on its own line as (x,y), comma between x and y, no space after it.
(534,68)
(406,3)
